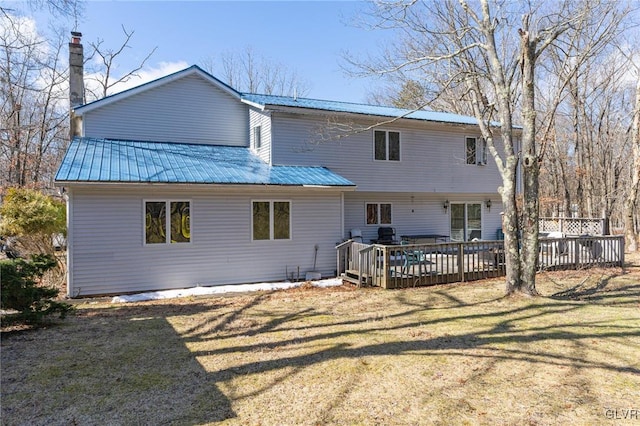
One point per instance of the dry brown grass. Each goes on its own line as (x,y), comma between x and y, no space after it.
(457,354)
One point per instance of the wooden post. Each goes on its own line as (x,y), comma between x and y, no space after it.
(461,261)
(621,250)
(576,253)
(385,266)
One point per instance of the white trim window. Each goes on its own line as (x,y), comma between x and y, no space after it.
(386,145)
(476,150)
(270,220)
(378,213)
(157,221)
(257,137)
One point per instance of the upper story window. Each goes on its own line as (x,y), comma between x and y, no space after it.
(386,145)
(257,137)
(476,150)
(378,213)
(271,220)
(157,221)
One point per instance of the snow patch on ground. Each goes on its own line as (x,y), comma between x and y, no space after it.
(222,289)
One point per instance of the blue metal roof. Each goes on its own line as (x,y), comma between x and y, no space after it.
(377,110)
(107,160)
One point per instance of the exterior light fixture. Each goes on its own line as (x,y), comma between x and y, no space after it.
(488,203)
(445,206)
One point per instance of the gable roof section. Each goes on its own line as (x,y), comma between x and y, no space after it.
(90,160)
(375,110)
(194,69)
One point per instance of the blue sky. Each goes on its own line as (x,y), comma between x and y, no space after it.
(310,37)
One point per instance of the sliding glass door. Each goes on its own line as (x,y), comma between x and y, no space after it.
(466,221)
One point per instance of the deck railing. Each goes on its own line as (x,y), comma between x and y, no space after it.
(399,266)
(572,226)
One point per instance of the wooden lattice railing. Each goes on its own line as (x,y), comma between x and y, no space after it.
(572,226)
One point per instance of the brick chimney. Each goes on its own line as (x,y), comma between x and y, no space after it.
(76,82)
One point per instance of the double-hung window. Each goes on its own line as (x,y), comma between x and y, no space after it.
(386,145)
(271,220)
(476,150)
(167,222)
(378,213)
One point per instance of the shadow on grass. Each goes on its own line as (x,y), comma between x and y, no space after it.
(138,354)
(119,365)
(598,290)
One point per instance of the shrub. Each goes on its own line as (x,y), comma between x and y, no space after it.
(33,218)
(21,289)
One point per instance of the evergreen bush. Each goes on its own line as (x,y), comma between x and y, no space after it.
(21,290)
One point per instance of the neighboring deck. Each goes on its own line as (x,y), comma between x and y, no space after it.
(398,266)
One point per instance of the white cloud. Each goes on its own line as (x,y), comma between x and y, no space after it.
(146,75)
(143,76)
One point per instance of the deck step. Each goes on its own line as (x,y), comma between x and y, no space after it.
(351,275)
(350,279)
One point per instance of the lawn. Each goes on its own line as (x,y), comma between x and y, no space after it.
(454,354)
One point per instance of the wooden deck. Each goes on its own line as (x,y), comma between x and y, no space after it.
(399,266)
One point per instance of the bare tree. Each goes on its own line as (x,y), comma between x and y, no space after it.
(32,96)
(248,71)
(104,74)
(409,95)
(482,53)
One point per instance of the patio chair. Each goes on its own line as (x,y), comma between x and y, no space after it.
(411,259)
(557,248)
(594,248)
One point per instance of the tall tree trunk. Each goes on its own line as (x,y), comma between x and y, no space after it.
(579,155)
(632,198)
(530,164)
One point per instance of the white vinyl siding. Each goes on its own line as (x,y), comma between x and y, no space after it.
(188,110)
(108,255)
(432,158)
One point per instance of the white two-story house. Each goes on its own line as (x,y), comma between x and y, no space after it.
(185,181)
